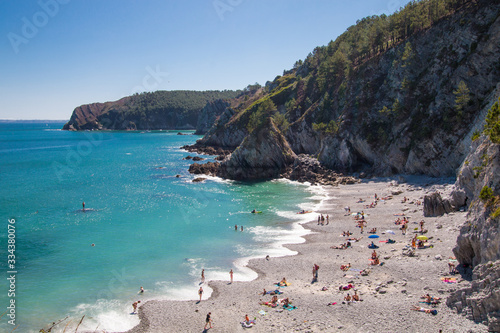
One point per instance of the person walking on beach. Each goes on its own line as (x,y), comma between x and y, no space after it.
(319,219)
(134,305)
(231,275)
(208,320)
(315,272)
(200,292)
(203,276)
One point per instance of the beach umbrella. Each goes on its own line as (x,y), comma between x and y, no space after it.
(373,236)
(390,232)
(424,238)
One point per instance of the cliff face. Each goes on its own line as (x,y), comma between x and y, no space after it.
(263,154)
(478,245)
(209,115)
(152,111)
(424,133)
(227,132)
(394,111)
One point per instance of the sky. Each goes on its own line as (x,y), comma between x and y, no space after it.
(56,55)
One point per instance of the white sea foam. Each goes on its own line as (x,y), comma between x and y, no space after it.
(107,315)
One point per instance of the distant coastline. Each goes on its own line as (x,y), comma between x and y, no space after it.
(31,121)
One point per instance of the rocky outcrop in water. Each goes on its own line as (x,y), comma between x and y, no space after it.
(263,154)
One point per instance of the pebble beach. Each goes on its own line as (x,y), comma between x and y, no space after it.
(387,292)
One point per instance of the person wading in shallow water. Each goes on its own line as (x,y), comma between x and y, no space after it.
(200,292)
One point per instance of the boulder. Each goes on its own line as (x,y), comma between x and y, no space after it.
(434,205)
(209,168)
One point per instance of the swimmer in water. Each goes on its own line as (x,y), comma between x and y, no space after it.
(83,204)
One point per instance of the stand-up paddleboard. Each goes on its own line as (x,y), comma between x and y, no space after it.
(86,210)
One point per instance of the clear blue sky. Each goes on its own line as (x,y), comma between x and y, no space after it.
(59,54)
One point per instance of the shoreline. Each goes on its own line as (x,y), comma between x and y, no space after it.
(387,293)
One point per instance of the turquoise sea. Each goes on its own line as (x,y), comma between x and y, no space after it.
(149,228)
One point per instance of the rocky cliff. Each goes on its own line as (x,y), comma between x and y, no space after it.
(152,111)
(263,154)
(407,107)
(209,114)
(478,245)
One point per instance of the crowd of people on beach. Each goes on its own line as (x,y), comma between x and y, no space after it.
(418,241)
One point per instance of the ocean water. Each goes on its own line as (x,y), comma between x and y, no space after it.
(149,228)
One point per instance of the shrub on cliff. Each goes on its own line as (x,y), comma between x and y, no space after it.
(492,127)
(486,194)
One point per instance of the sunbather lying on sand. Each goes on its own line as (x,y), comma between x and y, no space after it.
(375,262)
(354,239)
(282,283)
(349,286)
(373,231)
(340,247)
(345,267)
(418,308)
(431,300)
(273,303)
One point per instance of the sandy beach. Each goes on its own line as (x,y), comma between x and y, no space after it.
(387,293)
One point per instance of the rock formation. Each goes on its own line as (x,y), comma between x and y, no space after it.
(434,205)
(263,154)
(391,113)
(209,115)
(478,245)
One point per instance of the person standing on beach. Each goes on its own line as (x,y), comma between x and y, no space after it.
(200,292)
(327,219)
(208,320)
(134,305)
(203,276)
(231,275)
(315,272)
(319,219)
